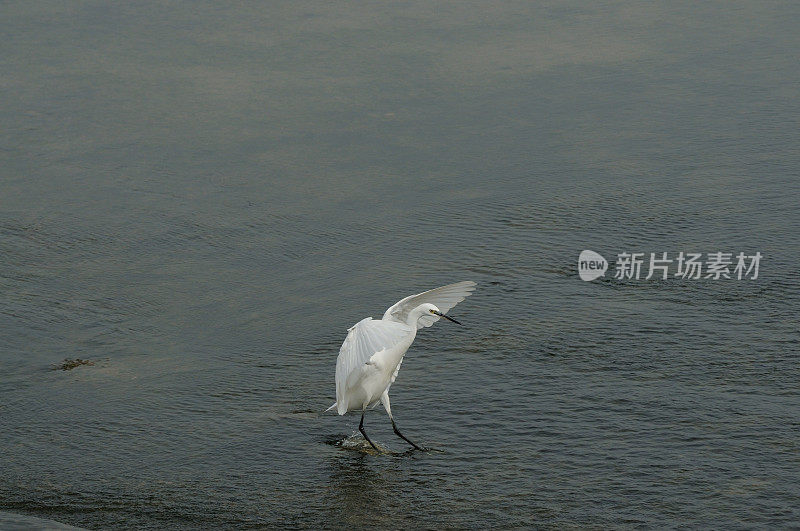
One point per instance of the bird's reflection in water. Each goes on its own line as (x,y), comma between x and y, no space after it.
(365,489)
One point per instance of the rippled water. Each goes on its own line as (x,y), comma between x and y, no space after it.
(202,198)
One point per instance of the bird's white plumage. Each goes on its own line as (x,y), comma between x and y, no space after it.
(373,350)
(366,349)
(444,298)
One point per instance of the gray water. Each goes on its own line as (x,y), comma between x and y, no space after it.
(201,198)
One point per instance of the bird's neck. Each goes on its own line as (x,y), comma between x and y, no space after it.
(413,316)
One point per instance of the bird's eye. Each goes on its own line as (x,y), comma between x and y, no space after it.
(430,311)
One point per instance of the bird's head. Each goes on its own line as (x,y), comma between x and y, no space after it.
(433,309)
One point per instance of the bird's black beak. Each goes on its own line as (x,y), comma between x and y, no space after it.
(440,314)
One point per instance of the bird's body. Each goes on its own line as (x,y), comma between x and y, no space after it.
(373,351)
(363,385)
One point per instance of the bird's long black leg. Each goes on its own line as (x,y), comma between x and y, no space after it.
(361,429)
(406,439)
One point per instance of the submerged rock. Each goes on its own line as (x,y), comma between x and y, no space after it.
(12,521)
(68,364)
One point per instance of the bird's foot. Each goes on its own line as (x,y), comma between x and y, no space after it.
(429,449)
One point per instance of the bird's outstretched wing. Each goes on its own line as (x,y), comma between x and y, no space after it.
(444,298)
(365,339)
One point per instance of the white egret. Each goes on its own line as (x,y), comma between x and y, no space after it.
(370,357)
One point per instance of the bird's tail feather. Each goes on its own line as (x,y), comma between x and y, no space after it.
(332,407)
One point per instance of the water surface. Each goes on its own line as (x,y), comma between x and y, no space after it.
(202,198)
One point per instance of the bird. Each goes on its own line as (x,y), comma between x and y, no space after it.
(373,350)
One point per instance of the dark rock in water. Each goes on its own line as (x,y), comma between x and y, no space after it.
(68,364)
